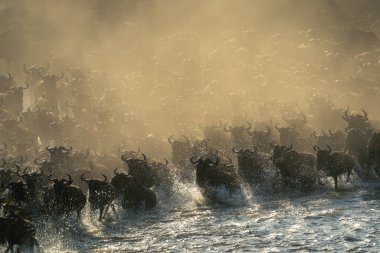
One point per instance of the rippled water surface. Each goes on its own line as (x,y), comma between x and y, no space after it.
(323,220)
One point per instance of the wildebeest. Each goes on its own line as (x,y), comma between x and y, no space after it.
(181,151)
(133,194)
(261,139)
(101,194)
(252,165)
(209,175)
(31,180)
(357,121)
(67,197)
(288,135)
(334,163)
(295,168)
(239,134)
(17,231)
(139,168)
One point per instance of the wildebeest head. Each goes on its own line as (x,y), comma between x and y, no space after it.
(58,152)
(237,130)
(17,189)
(356,121)
(51,80)
(94,184)
(34,72)
(287,134)
(30,178)
(279,153)
(203,163)
(59,184)
(119,181)
(133,158)
(177,145)
(322,156)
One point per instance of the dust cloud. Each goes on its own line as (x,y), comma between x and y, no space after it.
(150,69)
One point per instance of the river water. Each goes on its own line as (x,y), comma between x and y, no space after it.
(322,220)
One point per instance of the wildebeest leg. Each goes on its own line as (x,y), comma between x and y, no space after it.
(106,210)
(114,210)
(348,175)
(336,182)
(37,244)
(101,213)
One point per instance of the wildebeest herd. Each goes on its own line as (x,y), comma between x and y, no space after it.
(38,180)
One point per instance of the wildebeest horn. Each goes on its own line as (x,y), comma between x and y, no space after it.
(276,126)
(105,177)
(192,160)
(52,180)
(329,148)
(365,114)
(289,148)
(272,145)
(316,148)
(41,172)
(346,113)
(249,126)
(83,178)
(236,150)
(70,181)
(18,171)
(144,158)
(69,149)
(124,158)
(227,129)
(166,161)
(346,116)
(115,171)
(170,139)
(49,149)
(330,132)
(186,139)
